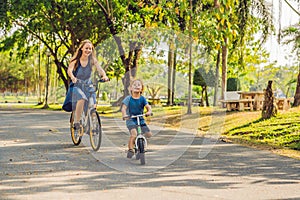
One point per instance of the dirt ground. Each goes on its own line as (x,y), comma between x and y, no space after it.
(39,161)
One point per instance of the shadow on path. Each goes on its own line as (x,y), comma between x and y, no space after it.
(37,157)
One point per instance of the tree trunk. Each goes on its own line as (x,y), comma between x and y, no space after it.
(189,109)
(206,96)
(60,67)
(217,78)
(297,93)
(224,67)
(130,63)
(173,77)
(170,68)
(269,109)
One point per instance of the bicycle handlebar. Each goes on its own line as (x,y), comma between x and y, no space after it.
(98,81)
(136,116)
(93,87)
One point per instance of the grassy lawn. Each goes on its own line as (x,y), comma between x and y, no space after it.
(280,134)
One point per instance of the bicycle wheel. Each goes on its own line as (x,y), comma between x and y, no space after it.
(141,151)
(95,130)
(75,135)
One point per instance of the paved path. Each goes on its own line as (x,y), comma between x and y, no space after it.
(38,161)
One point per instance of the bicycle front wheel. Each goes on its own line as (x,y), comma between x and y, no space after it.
(75,135)
(95,130)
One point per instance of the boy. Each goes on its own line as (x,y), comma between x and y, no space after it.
(134,104)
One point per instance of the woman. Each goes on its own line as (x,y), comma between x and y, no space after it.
(81,67)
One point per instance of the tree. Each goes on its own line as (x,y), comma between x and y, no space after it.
(56,26)
(135,15)
(231,22)
(204,78)
(269,110)
(120,17)
(292,35)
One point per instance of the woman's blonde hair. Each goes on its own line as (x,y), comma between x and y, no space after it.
(131,83)
(78,53)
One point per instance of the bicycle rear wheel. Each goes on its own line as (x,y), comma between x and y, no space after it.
(95,130)
(75,135)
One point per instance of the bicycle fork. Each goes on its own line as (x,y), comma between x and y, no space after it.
(140,141)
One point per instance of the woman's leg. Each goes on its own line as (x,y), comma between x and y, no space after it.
(79,109)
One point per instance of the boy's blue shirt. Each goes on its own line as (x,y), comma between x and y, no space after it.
(135,107)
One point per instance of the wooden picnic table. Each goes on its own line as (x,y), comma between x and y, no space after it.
(257,96)
(233,101)
(238,104)
(283,103)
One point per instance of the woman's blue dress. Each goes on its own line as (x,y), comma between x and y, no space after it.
(78,91)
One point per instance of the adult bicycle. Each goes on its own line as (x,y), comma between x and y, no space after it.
(90,122)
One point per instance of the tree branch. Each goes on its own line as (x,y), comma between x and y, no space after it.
(292,7)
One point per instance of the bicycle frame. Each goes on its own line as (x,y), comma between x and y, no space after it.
(139,130)
(86,117)
(86,114)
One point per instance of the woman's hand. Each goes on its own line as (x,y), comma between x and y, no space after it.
(74,79)
(105,78)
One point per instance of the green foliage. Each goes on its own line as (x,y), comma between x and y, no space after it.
(58,26)
(203,77)
(279,131)
(104,96)
(198,90)
(233,84)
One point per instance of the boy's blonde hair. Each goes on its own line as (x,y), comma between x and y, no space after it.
(131,83)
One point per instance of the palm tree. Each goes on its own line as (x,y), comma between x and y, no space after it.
(292,35)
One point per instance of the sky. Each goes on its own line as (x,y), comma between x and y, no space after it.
(282,53)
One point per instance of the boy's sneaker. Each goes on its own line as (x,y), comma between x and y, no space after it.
(130,153)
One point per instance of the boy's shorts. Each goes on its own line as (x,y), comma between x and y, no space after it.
(144,128)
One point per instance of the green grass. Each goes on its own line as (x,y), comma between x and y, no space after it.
(18,99)
(282,131)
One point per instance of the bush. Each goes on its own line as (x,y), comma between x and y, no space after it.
(104,96)
(233,84)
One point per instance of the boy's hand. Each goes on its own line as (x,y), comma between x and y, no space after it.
(125,117)
(149,113)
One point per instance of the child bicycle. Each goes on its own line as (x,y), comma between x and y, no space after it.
(140,140)
(90,122)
